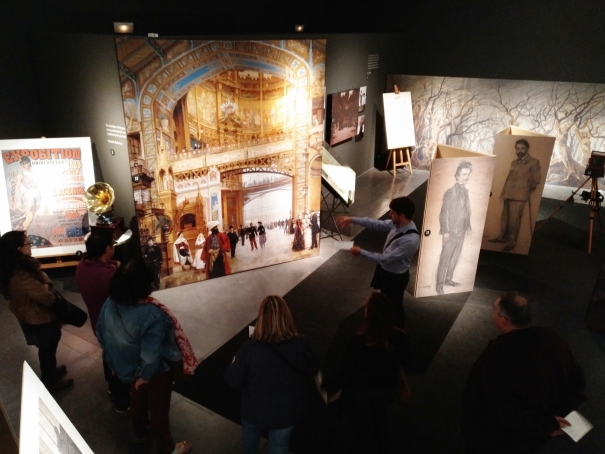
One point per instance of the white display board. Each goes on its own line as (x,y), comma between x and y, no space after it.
(44,426)
(399,120)
(340,178)
(42,191)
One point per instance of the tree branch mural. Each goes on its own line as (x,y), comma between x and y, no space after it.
(467,112)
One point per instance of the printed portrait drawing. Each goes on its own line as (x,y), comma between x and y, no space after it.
(522,180)
(522,159)
(455,224)
(456,205)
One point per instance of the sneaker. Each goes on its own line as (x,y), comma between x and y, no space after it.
(60,371)
(121,409)
(60,385)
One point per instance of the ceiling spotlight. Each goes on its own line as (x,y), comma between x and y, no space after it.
(299,28)
(123,27)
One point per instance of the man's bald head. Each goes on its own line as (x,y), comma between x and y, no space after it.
(512,311)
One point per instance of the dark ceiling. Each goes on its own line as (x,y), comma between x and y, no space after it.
(212,17)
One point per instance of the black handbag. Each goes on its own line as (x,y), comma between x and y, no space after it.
(68,313)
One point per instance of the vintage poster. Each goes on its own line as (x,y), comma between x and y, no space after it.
(42,192)
(224,136)
(456,204)
(522,159)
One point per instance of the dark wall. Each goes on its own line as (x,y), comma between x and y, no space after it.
(19,112)
(67,85)
(79,95)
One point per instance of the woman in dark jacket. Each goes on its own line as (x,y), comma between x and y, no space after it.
(368,374)
(273,371)
(29,292)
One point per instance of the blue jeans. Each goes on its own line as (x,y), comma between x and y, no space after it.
(279,439)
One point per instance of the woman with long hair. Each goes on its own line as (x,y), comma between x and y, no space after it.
(141,341)
(29,292)
(273,370)
(369,374)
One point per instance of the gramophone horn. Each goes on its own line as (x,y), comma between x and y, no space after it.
(99,198)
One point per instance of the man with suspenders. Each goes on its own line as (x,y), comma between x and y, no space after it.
(393,263)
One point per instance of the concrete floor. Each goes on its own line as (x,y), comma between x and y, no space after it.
(211,313)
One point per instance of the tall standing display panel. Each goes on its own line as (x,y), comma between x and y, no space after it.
(225,133)
(456,204)
(522,161)
(44,427)
(42,192)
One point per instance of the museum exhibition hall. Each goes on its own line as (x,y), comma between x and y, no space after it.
(163,121)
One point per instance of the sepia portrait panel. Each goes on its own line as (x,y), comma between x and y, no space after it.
(456,204)
(522,159)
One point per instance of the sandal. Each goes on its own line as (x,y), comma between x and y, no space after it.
(182,447)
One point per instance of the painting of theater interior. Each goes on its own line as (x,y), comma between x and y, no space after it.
(224,132)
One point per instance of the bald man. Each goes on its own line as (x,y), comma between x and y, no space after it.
(521,387)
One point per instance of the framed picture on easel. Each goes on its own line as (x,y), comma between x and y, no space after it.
(399,124)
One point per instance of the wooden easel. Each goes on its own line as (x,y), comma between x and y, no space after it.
(399,162)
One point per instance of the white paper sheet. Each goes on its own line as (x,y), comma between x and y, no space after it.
(580,426)
(338,245)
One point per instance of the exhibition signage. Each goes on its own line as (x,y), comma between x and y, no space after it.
(42,192)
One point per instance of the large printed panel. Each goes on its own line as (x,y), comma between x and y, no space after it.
(454,215)
(229,132)
(42,192)
(466,112)
(44,426)
(522,159)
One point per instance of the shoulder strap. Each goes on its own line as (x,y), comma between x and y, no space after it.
(399,235)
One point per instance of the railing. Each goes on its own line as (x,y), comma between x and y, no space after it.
(195,152)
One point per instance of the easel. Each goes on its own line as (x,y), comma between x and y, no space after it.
(594,203)
(400,162)
(330,209)
(400,133)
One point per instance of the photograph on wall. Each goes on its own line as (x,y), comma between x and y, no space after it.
(226,139)
(362,99)
(42,192)
(343,108)
(44,426)
(456,205)
(361,124)
(467,113)
(522,159)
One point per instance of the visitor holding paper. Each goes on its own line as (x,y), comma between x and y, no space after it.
(521,387)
